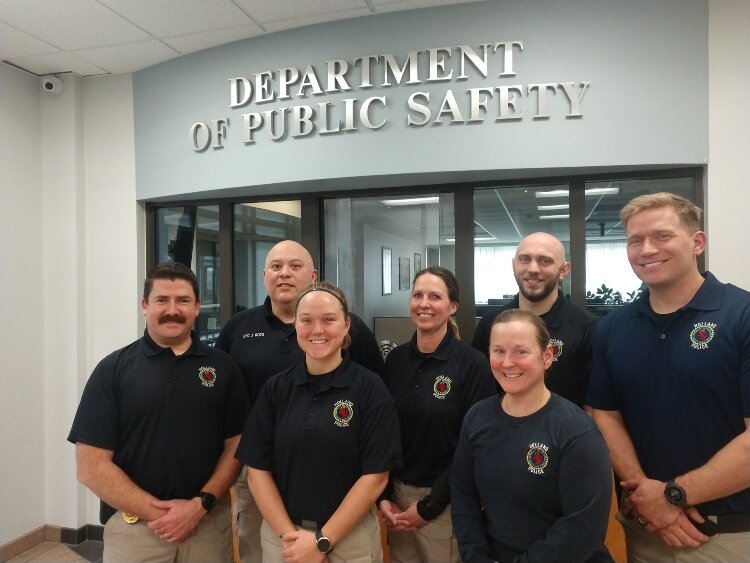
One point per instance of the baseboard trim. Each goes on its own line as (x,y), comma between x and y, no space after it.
(44,533)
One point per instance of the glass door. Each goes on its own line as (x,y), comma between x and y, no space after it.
(373,246)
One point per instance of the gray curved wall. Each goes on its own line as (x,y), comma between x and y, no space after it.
(647,103)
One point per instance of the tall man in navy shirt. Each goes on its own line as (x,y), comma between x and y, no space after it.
(264,342)
(539,266)
(670,389)
(156,433)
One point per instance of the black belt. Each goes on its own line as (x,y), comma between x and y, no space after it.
(501,553)
(731,523)
(305,523)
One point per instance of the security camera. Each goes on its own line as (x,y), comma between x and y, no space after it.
(52,84)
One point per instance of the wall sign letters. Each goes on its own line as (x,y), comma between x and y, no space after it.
(421,72)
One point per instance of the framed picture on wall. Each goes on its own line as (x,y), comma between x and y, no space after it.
(403,273)
(387,258)
(417,262)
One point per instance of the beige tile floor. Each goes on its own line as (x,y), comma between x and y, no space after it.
(53,552)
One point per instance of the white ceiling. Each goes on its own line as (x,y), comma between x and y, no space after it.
(91,37)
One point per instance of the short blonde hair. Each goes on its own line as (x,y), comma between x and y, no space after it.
(688,213)
(525,316)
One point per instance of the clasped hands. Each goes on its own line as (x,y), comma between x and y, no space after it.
(400,520)
(178,520)
(657,515)
(300,546)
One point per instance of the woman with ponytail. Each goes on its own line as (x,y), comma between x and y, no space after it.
(434,380)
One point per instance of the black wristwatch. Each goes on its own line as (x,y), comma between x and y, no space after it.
(323,543)
(675,494)
(208,501)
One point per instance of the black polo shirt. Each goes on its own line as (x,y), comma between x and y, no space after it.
(432,393)
(318,435)
(572,332)
(263,345)
(165,417)
(682,385)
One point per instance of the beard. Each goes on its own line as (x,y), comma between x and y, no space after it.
(539,294)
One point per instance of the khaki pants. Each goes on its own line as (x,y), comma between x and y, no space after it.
(361,545)
(433,543)
(135,543)
(645,547)
(247,520)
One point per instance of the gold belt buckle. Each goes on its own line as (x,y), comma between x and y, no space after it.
(130,518)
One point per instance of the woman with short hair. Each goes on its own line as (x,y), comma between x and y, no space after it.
(531,477)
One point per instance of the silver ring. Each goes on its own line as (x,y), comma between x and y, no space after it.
(165,535)
(642,522)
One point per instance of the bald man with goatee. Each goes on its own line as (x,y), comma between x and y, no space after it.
(539,267)
(263,342)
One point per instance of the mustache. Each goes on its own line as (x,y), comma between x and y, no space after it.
(172,319)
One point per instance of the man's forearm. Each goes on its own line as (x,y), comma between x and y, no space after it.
(621,450)
(727,472)
(97,471)
(227,470)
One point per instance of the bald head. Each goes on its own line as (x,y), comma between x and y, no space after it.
(539,266)
(290,249)
(289,269)
(542,243)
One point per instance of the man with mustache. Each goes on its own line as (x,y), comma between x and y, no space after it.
(539,266)
(264,342)
(156,432)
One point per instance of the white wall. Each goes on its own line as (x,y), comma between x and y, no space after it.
(71,245)
(728,185)
(397,303)
(63,287)
(114,230)
(22,433)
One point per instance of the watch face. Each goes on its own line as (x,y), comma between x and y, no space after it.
(208,501)
(675,494)
(324,544)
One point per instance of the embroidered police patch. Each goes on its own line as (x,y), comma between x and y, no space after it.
(701,335)
(343,412)
(557,348)
(441,387)
(207,375)
(537,458)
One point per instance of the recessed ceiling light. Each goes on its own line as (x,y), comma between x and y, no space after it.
(410,201)
(588,192)
(476,239)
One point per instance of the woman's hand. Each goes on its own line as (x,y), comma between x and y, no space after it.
(409,520)
(390,511)
(300,547)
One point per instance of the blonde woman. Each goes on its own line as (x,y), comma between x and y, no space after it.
(434,380)
(531,477)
